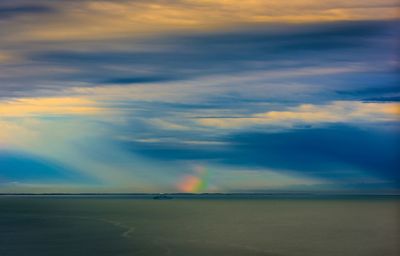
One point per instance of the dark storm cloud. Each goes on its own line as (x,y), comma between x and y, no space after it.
(383,99)
(322,149)
(384,90)
(138,80)
(14,11)
(333,152)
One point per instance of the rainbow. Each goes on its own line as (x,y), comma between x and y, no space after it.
(194,183)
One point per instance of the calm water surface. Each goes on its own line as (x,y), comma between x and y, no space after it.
(115,226)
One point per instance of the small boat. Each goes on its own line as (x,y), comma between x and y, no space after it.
(162,197)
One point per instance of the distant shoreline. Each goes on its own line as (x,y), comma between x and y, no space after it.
(216,195)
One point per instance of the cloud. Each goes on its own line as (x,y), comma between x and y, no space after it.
(332,152)
(138,80)
(11,11)
(194,59)
(61,106)
(87,20)
(115,89)
(164,59)
(336,112)
(227,179)
(386,92)
(335,153)
(77,141)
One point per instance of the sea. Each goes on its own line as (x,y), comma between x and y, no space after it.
(190,225)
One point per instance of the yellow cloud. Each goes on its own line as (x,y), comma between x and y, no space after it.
(25,107)
(339,111)
(168,125)
(7,57)
(4,57)
(78,20)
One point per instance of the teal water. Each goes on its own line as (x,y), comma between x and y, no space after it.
(112,226)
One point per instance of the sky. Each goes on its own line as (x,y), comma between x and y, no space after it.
(199,96)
